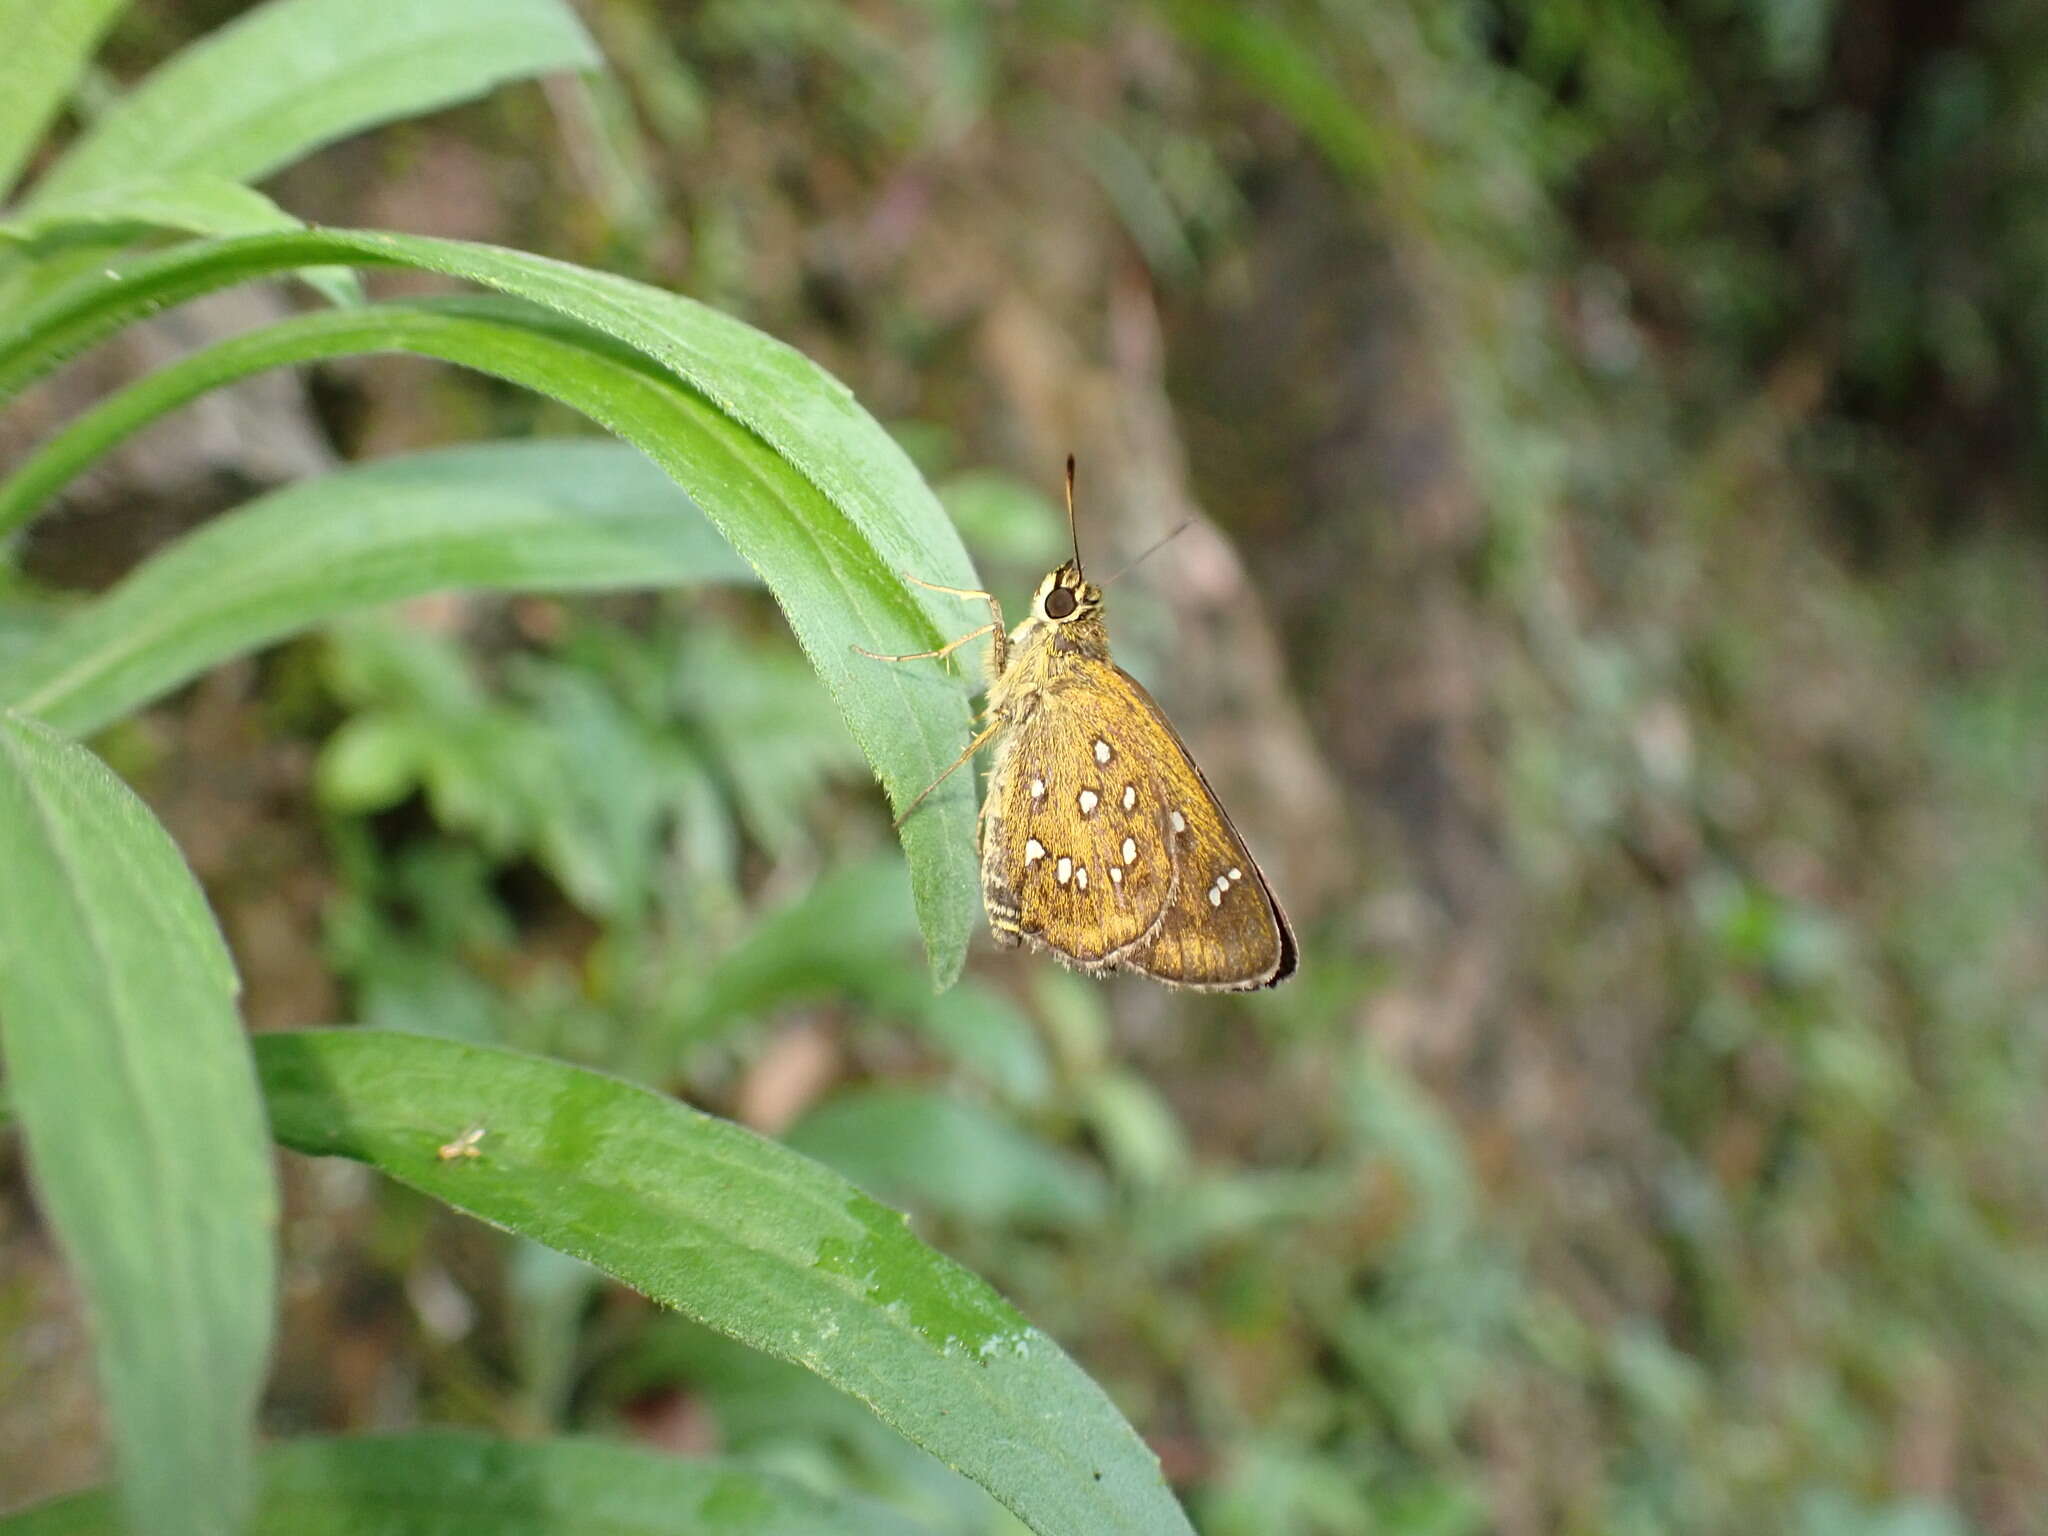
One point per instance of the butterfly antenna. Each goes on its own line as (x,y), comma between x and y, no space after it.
(1073,529)
(1157,544)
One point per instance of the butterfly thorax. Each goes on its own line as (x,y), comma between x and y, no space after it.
(1065,627)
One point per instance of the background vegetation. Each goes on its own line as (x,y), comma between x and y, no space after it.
(1615,613)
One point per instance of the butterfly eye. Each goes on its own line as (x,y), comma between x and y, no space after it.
(1059,603)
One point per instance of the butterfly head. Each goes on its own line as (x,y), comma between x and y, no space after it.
(1065,597)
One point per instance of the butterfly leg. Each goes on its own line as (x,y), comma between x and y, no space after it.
(973,747)
(945,650)
(1000,652)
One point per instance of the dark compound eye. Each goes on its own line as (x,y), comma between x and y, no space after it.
(1059,602)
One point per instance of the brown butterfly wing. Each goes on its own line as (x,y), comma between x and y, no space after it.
(1223,930)
(1076,846)
(1153,828)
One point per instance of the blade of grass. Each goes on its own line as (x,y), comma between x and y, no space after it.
(199,205)
(292,75)
(130,1074)
(535,515)
(741,1234)
(68,238)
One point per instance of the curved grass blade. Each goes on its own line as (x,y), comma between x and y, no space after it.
(806,486)
(741,1234)
(194,204)
(432,1484)
(537,515)
(130,1075)
(292,75)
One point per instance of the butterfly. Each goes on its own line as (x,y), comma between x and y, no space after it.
(1101,842)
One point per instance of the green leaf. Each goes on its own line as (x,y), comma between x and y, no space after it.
(48,43)
(981,1030)
(130,1073)
(950,1157)
(292,75)
(779,1415)
(843,936)
(741,1234)
(759,713)
(557,515)
(199,205)
(806,486)
(437,1483)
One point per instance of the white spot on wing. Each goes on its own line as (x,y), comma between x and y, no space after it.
(1180,822)
(1038,789)
(1215,897)
(1116,874)
(1081,877)
(1089,800)
(1130,796)
(1066,870)
(1130,850)
(1101,751)
(1033,849)
(1236,874)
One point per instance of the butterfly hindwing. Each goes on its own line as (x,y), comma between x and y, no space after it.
(1222,931)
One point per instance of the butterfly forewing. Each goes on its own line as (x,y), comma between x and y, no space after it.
(1076,847)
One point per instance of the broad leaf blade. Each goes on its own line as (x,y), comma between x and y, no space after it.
(532,515)
(435,1484)
(48,43)
(742,1234)
(130,1074)
(812,492)
(293,75)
